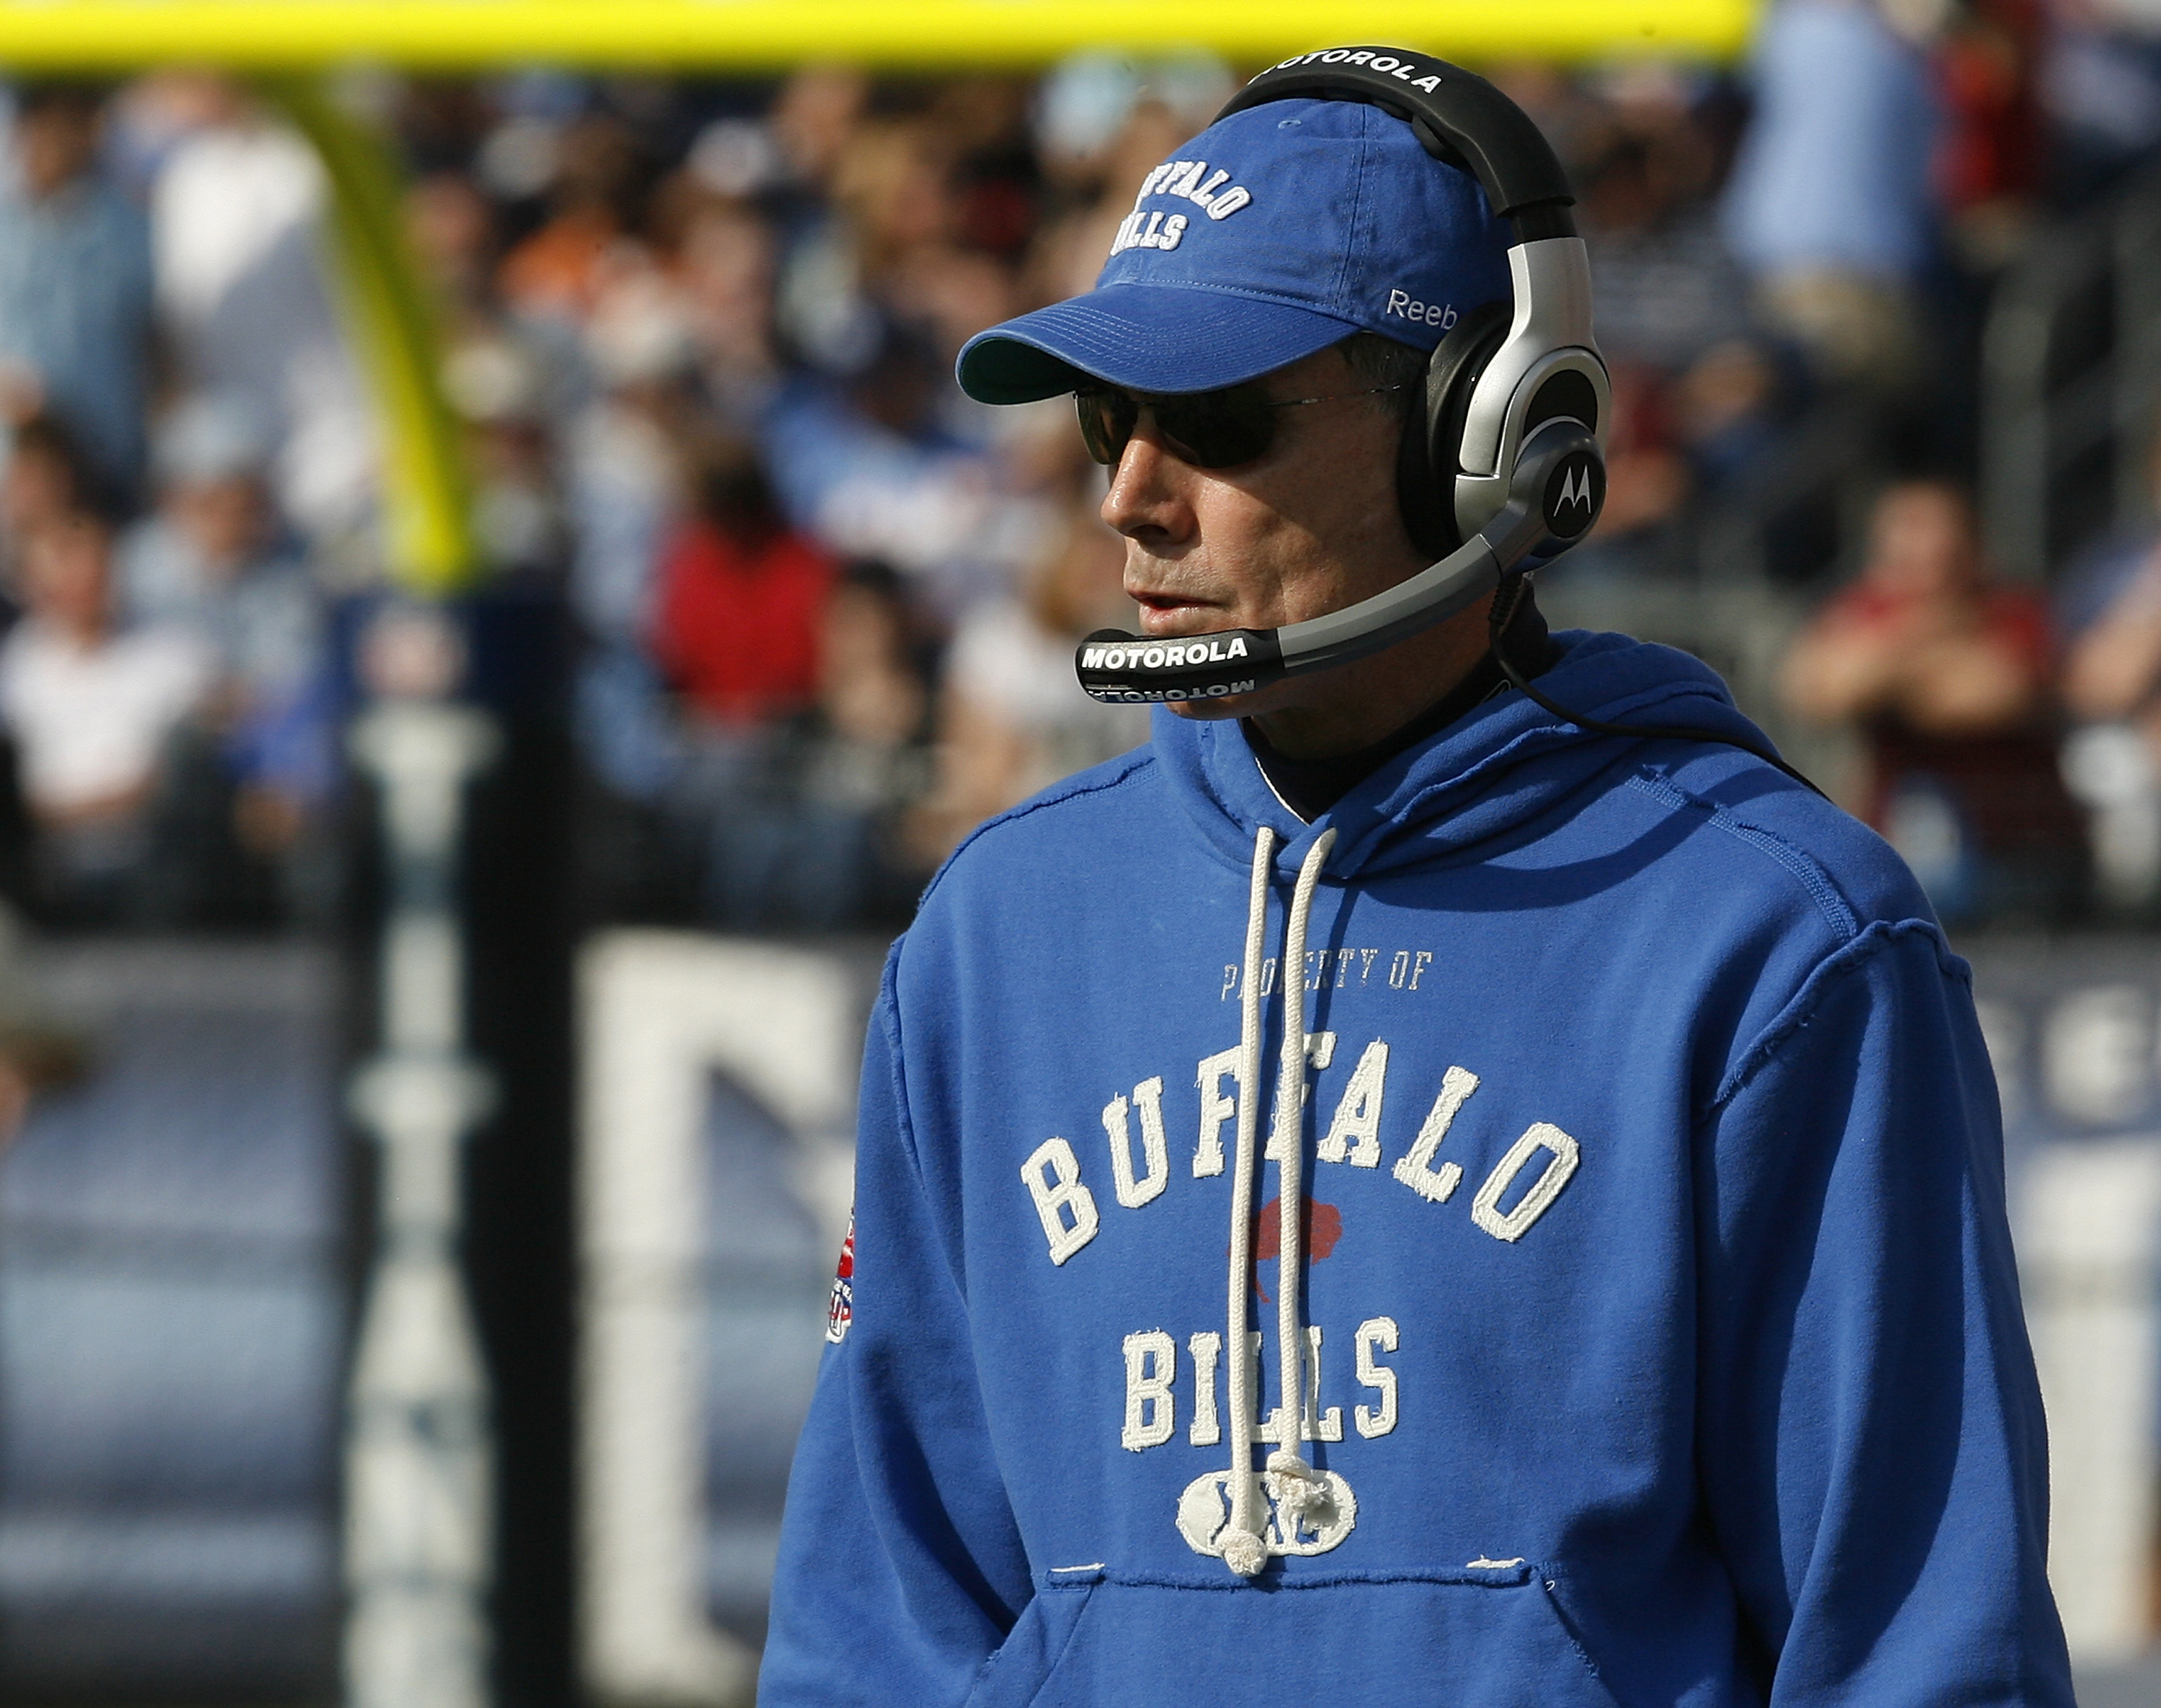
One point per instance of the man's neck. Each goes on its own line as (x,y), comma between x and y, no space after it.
(1357,705)
(1310,786)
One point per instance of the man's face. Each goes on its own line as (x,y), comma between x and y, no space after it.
(1308,527)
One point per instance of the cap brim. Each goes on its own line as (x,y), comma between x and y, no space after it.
(1146,338)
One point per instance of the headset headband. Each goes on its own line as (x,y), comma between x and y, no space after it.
(1457,115)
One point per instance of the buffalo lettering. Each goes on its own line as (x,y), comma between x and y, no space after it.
(1513,1198)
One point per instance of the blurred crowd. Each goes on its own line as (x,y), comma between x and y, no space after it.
(699,335)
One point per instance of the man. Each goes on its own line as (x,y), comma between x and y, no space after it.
(76,323)
(1661,1339)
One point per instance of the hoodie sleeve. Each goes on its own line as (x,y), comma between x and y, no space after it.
(1873,1451)
(901,1567)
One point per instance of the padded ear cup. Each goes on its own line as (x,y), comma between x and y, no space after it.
(1429,454)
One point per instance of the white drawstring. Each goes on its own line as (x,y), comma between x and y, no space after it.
(1300,1491)
(1242,1550)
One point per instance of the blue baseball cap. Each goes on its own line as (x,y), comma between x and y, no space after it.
(1277,232)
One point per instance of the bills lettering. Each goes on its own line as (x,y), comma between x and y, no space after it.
(1152,1369)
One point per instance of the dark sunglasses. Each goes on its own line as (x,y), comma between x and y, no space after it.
(1208,430)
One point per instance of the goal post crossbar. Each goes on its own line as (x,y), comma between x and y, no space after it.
(739,35)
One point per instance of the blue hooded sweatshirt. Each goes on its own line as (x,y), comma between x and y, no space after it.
(1661,1338)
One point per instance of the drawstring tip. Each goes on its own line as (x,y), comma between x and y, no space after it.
(1242,1552)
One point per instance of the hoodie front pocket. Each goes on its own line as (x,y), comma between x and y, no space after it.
(1035,1649)
(1408,1641)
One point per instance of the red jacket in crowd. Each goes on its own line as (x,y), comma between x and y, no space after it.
(739,625)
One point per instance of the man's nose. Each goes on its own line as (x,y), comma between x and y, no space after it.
(1148,499)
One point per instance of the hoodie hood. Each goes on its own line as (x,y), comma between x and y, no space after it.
(1503,763)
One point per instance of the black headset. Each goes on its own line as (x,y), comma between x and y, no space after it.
(1502,465)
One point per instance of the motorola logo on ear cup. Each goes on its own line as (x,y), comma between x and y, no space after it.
(1575,492)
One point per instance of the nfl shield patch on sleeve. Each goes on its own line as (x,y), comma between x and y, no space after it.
(841,1307)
